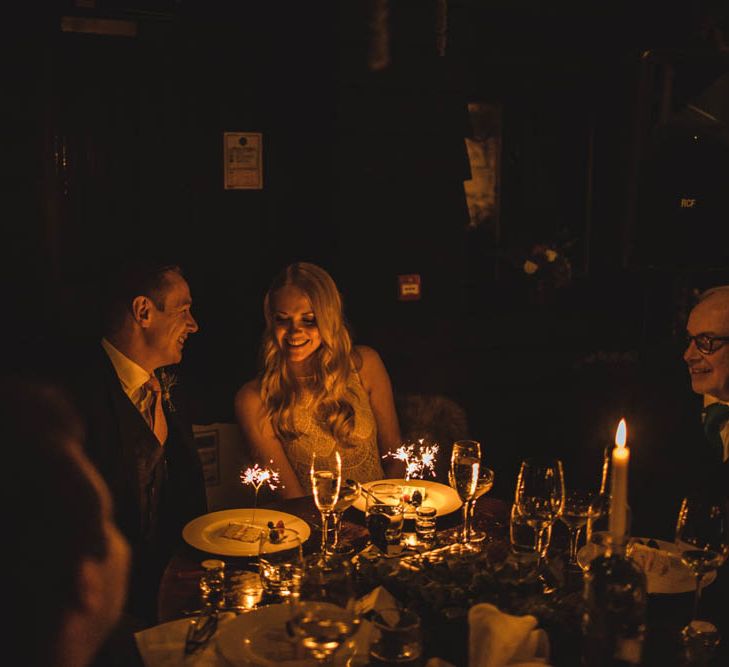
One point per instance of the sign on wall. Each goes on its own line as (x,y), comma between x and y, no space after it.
(243,160)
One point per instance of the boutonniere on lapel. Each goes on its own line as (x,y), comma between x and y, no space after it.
(167,381)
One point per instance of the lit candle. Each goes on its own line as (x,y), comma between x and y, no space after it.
(619,485)
(411,539)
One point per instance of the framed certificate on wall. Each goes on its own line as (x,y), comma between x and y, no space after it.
(243,160)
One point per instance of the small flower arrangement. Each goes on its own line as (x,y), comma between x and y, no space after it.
(168,380)
(548,262)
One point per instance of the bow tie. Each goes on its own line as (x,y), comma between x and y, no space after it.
(715,415)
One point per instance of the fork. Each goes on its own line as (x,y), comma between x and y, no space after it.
(200,631)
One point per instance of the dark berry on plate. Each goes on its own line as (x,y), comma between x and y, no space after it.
(270,524)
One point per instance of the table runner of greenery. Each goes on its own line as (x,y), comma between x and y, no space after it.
(441,587)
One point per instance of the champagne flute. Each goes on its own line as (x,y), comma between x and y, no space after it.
(349,491)
(702,534)
(463,477)
(540,497)
(484,484)
(579,508)
(325,615)
(326,479)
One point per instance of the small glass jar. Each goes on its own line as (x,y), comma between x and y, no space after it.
(425,523)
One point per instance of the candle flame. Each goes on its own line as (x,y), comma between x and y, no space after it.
(417,463)
(621,435)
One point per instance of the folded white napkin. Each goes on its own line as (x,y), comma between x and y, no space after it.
(496,639)
(163,645)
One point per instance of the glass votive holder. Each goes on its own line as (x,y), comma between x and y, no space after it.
(212,583)
(243,591)
(425,519)
(396,638)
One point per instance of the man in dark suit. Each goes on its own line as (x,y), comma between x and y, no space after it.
(138,433)
(707,358)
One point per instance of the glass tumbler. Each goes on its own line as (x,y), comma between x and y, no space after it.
(396,638)
(385,518)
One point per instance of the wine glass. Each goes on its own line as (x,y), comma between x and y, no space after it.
(702,534)
(579,508)
(349,491)
(463,477)
(540,496)
(325,616)
(484,484)
(326,480)
(280,562)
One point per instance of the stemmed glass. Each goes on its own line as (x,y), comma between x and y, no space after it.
(540,496)
(702,534)
(484,484)
(349,491)
(325,616)
(326,480)
(463,477)
(579,508)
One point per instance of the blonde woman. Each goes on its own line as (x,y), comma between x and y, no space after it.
(316,391)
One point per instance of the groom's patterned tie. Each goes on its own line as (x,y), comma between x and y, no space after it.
(156,415)
(715,415)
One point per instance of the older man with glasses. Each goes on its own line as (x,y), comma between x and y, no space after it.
(707,357)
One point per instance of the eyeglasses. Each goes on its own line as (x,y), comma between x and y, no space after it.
(707,344)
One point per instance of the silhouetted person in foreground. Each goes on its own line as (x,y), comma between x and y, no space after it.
(67,569)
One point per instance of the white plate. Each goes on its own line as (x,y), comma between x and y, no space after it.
(665,573)
(259,637)
(205,532)
(442,497)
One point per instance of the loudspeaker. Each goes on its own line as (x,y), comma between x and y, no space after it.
(683,202)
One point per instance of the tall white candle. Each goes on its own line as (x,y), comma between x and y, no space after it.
(619,486)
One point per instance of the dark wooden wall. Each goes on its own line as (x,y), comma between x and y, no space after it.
(116,142)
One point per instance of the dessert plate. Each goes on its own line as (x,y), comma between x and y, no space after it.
(259,637)
(207,531)
(661,562)
(442,497)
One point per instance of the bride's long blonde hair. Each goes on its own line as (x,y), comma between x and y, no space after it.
(331,362)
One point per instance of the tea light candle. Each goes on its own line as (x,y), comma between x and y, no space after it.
(411,539)
(619,485)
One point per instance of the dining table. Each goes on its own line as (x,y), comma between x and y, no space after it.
(445,627)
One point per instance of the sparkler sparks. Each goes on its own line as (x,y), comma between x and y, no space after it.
(418,458)
(257,476)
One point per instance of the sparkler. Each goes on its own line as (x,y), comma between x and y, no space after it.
(417,462)
(257,477)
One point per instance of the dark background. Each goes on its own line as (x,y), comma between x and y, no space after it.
(112,143)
